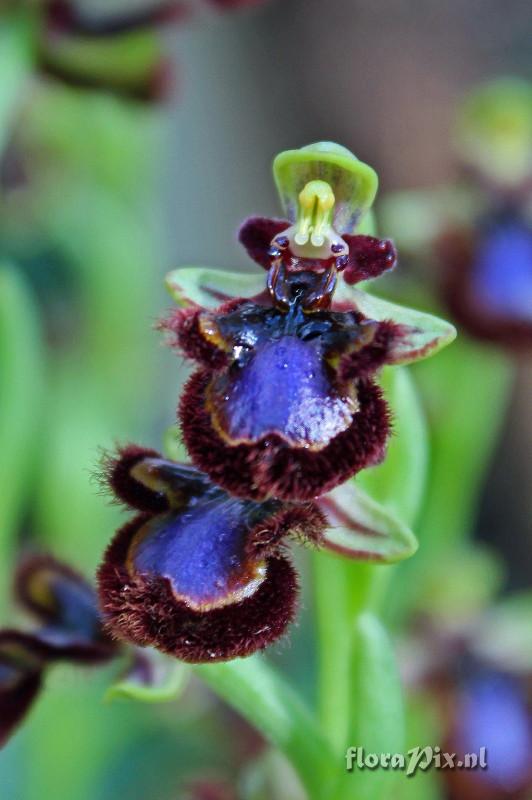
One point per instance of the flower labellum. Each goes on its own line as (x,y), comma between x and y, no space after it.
(488,278)
(70,630)
(198,574)
(492,713)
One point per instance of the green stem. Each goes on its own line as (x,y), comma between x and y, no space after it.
(259,693)
(466,390)
(333,623)
(16,62)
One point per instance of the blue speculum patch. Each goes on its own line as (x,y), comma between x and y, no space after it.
(201,550)
(495,716)
(280,379)
(284,388)
(502,270)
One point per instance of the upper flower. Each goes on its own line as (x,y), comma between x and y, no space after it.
(284,403)
(117,51)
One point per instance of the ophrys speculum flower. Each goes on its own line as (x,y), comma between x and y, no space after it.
(285,402)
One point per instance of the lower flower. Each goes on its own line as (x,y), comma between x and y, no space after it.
(199,574)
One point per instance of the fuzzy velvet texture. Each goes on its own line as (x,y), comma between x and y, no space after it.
(116,476)
(270,468)
(369,257)
(144,610)
(141,605)
(374,355)
(186,337)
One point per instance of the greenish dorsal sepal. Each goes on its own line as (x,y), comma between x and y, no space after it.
(353,182)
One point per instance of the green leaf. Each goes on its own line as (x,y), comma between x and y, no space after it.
(16,63)
(399,482)
(173,446)
(377,715)
(151,678)
(462,431)
(354,183)
(424,334)
(21,403)
(209,287)
(261,695)
(362,529)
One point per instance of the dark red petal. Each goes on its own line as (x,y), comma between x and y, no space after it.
(116,475)
(183,324)
(369,257)
(256,235)
(144,610)
(270,468)
(364,362)
(456,251)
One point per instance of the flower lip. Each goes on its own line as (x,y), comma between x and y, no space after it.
(271,468)
(281,379)
(201,544)
(487,281)
(211,566)
(202,551)
(67,607)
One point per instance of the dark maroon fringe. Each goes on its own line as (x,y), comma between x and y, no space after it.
(366,361)
(188,339)
(116,475)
